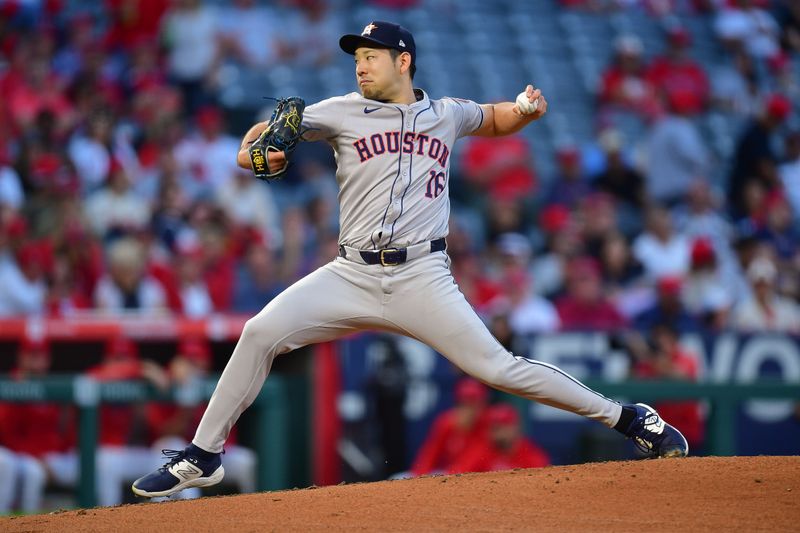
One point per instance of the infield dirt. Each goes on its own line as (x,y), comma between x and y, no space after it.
(693,494)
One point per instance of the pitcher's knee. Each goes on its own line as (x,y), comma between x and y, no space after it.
(258,332)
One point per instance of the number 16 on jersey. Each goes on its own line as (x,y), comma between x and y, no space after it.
(436,182)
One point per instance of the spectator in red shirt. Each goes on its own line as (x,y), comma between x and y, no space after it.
(676,73)
(667,359)
(84,257)
(134,21)
(454,430)
(39,90)
(624,85)
(122,456)
(502,166)
(219,267)
(121,362)
(505,447)
(585,307)
(41,435)
(64,296)
(35,428)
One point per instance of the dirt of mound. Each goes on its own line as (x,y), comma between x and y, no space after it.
(694,494)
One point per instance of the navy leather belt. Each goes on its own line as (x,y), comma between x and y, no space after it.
(392,256)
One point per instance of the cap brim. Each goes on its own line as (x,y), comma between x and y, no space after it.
(349,43)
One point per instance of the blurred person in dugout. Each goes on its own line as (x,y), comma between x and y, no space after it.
(171,425)
(122,454)
(502,447)
(38,437)
(661,356)
(454,430)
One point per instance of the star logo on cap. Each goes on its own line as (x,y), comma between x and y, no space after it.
(368,29)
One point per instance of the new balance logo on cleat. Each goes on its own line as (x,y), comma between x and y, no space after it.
(185,470)
(654,423)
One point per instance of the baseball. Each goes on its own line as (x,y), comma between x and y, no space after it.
(525,106)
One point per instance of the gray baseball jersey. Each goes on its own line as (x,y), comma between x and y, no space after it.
(393,164)
(393,168)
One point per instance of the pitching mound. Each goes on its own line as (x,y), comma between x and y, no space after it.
(694,494)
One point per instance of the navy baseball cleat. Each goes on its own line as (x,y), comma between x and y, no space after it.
(653,436)
(184,470)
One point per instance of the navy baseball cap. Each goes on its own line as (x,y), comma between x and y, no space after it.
(382,34)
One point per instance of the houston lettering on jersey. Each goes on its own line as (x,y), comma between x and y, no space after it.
(412,142)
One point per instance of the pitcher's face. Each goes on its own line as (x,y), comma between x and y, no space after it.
(377,74)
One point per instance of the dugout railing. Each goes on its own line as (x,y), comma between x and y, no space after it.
(272,416)
(270,409)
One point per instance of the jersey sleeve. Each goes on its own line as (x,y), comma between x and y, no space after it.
(468,115)
(322,121)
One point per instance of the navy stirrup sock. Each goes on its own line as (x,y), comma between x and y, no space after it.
(201,453)
(625,419)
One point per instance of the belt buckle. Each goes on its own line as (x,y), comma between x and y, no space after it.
(383,261)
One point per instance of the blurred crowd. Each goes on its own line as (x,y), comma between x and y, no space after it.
(637,232)
(119,190)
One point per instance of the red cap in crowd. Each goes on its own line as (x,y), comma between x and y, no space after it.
(682,101)
(16,227)
(121,347)
(679,36)
(775,200)
(584,267)
(597,200)
(702,252)
(34,343)
(554,218)
(779,61)
(115,166)
(209,117)
(33,354)
(469,390)
(503,414)
(670,285)
(778,106)
(568,155)
(32,254)
(196,350)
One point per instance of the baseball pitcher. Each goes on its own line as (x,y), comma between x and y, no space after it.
(392,145)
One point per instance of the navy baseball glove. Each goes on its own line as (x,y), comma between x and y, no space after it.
(282,135)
